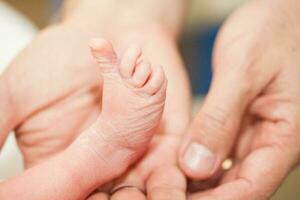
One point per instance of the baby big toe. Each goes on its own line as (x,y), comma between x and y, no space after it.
(104,53)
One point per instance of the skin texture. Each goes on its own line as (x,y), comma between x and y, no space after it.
(48,120)
(133,95)
(168,137)
(257,122)
(251,113)
(116,138)
(159,45)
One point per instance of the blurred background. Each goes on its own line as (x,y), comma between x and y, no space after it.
(20,20)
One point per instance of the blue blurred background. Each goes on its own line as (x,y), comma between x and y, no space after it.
(197,52)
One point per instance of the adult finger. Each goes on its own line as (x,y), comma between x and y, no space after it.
(259,176)
(214,129)
(128,193)
(131,186)
(167,183)
(98,196)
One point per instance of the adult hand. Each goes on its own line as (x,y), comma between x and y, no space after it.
(54,93)
(252,111)
(52,118)
(156,173)
(55,88)
(101,154)
(74,101)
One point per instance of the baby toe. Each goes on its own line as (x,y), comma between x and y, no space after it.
(156,81)
(128,62)
(141,74)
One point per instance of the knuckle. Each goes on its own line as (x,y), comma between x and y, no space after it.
(214,123)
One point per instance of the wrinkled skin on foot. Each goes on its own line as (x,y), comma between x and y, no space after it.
(134,94)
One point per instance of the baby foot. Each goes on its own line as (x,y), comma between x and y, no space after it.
(134,94)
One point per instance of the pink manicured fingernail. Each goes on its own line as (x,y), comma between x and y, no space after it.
(199,159)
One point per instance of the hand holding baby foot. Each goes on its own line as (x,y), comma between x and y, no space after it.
(131,112)
(158,167)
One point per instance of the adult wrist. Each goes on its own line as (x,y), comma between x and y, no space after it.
(109,17)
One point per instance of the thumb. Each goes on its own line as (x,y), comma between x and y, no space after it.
(214,129)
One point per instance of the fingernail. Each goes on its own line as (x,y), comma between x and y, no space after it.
(199,159)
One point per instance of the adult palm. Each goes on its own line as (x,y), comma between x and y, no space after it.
(55,90)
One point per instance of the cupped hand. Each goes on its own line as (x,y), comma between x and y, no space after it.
(55,89)
(56,93)
(252,111)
